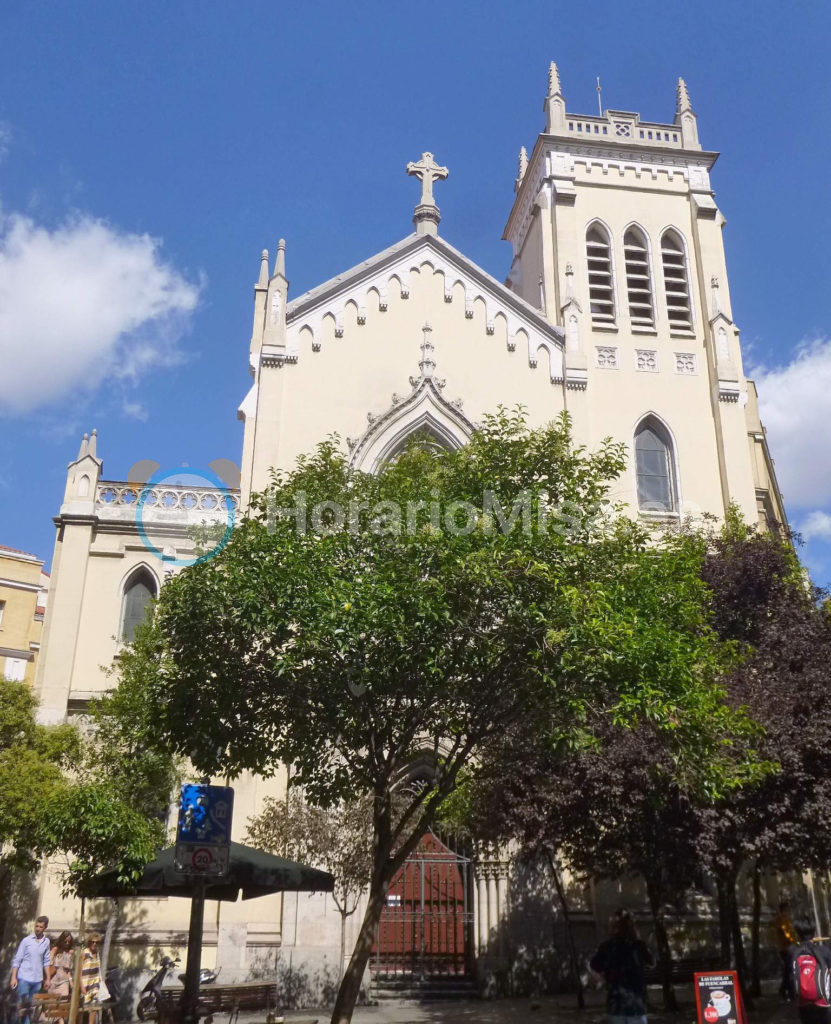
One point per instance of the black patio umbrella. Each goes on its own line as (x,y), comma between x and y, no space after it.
(251,873)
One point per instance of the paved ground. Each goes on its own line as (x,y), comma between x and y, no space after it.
(554,1010)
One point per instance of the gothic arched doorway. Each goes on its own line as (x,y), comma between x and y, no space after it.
(426,924)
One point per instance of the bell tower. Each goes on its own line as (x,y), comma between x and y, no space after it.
(617,238)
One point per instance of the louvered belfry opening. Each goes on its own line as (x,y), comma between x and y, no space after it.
(638,279)
(676,282)
(599,260)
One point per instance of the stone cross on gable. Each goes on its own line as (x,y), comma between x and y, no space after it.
(427,216)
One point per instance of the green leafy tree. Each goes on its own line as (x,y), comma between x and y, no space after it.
(337,839)
(424,613)
(33,762)
(763,601)
(609,810)
(90,827)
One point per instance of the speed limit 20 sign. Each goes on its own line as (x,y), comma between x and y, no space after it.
(196,859)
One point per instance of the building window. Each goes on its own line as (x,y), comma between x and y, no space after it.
(599,263)
(607,356)
(2,609)
(139,591)
(647,359)
(676,282)
(15,670)
(654,467)
(638,279)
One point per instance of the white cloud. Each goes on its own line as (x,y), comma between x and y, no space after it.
(816,526)
(134,410)
(80,305)
(795,404)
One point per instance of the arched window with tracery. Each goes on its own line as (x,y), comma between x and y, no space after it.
(140,590)
(655,467)
(638,279)
(601,282)
(676,281)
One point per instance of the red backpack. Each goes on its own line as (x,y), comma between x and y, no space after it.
(811,974)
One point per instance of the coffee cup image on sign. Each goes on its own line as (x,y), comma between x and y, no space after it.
(721,1001)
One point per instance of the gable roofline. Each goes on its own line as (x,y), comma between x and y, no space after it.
(410,245)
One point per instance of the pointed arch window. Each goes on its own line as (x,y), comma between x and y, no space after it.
(140,590)
(601,284)
(638,279)
(676,282)
(654,464)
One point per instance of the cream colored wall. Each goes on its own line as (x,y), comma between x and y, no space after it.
(531,261)
(616,399)
(334,389)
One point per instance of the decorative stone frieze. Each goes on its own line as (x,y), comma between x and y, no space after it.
(393,270)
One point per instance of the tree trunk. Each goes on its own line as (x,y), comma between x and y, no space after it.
(572,948)
(350,986)
(723,921)
(343,916)
(738,941)
(653,892)
(756,941)
(112,921)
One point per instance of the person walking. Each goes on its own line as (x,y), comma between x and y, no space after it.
(29,966)
(60,967)
(785,937)
(621,961)
(91,973)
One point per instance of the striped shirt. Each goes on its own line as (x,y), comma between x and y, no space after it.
(90,976)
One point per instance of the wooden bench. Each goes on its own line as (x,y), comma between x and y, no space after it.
(683,969)
(52,1007)
(230,999)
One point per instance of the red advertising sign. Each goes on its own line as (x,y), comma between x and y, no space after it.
(718,998)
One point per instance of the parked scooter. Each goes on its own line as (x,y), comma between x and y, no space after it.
(206,976)
(151,994)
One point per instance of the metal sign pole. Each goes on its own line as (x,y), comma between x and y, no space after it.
(190,996)
(202,849)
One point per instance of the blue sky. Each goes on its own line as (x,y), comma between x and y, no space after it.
(150,151)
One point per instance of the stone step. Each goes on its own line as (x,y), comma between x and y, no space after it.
(408,987)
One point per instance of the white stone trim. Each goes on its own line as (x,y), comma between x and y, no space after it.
(643,355)
(679,356)
(607,352)
(18,585)
(557,157)
(424,408)
(518,324)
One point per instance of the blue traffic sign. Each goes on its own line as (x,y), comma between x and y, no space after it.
(205,815)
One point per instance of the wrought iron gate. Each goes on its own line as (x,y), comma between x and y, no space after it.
(425,927)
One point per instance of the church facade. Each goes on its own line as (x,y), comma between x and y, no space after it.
(616,308)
